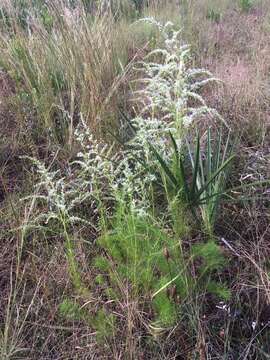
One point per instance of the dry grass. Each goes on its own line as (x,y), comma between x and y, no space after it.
(78,67)
(236,49)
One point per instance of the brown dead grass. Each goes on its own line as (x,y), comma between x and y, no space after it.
(237,51)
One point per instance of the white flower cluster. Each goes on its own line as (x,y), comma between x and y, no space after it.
(95,163)
(150,131)
(168,85)
(59,193)
(124,174)
(98,173)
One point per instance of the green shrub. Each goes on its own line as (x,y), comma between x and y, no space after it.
(151,263)
(136,247)
(246,5)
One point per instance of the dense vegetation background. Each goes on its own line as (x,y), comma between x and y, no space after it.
(134,179)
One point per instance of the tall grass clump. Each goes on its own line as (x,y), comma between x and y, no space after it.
(72,66)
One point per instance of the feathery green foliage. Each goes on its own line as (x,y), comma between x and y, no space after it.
(144,257)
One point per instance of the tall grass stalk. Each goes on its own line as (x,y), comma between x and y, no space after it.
(73,67)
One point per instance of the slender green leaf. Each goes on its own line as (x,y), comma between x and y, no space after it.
(164,165)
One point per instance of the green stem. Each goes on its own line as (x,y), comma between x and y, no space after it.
(72,263)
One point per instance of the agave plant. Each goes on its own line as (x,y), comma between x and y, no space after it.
(199,182)
(210,173)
